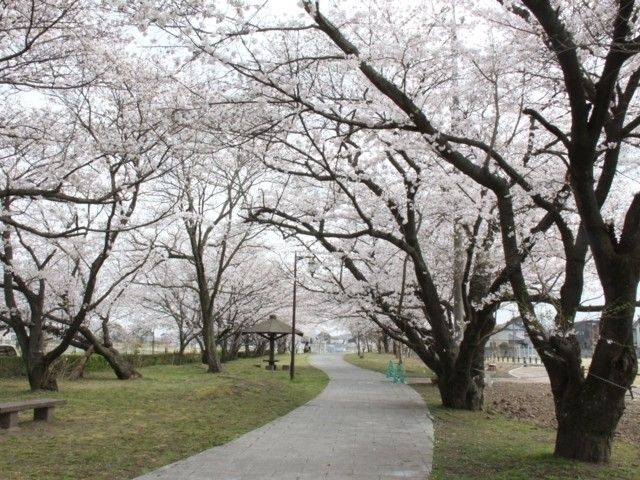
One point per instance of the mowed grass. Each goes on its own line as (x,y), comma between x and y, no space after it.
(478,446)
(112,429)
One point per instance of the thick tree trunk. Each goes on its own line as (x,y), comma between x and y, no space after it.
(588,410)
(460,391)
(39,373)
(583,438)
(587,420)
(463,388)
(460,375)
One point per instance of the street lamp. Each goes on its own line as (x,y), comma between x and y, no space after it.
(312,269)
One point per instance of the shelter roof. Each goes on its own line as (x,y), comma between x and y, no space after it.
(271,325)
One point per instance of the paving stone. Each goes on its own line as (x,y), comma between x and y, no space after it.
(361,427)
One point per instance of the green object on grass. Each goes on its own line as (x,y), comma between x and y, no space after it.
(395,371)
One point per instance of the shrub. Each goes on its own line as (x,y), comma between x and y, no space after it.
(13,366)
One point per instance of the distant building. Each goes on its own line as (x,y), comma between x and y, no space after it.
(587,334)
(320,342)
(636,337)
(341,343)
(7,337)
(512,341)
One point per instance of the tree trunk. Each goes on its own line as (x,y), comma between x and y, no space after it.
(459,262)
(460,377)
(461,391)
(121,367)
(39,373)
(588,410)
(385,342)
(236,345)
(78,371)
(463,387)
(224,351)
(585,438)
(587,421)
(210,351)
(260,348)
(180,356)
(282,346)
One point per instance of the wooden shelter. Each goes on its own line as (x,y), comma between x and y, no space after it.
(272,329)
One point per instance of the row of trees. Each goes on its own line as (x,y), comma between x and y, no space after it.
(115,205)
(437,161)
(380,121)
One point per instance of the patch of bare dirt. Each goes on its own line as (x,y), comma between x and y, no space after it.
(534,403)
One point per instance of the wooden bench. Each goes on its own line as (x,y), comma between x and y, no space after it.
(42,410)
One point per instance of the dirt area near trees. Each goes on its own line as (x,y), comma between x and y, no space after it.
(533,403)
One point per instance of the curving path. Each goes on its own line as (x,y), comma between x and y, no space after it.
(361,426)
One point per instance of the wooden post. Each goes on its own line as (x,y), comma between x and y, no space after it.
(272,349)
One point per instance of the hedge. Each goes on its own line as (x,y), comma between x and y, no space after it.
(13,366)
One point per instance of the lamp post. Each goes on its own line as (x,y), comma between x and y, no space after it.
(312,268)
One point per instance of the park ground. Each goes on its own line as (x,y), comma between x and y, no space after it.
(512,439)
(114,430)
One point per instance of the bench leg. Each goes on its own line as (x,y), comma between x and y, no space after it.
(42,414)
(9,420)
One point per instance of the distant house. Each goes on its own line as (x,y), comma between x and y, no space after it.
(7,337)
(341,343)
(512,340)
(320,342)
(587,334)
(636,336)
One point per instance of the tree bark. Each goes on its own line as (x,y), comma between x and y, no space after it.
(461,391)
(78,371)
(39,373)
(121,367)
(210,351)
(589,414)
(385,342)
(261,346)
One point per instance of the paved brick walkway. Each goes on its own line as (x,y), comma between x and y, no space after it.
(361,426)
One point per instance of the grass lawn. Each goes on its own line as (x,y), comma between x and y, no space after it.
(112,429)
(475,445)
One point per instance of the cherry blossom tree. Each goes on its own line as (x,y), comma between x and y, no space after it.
(599,110)
(546,139)
(209,189)
(108,141)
